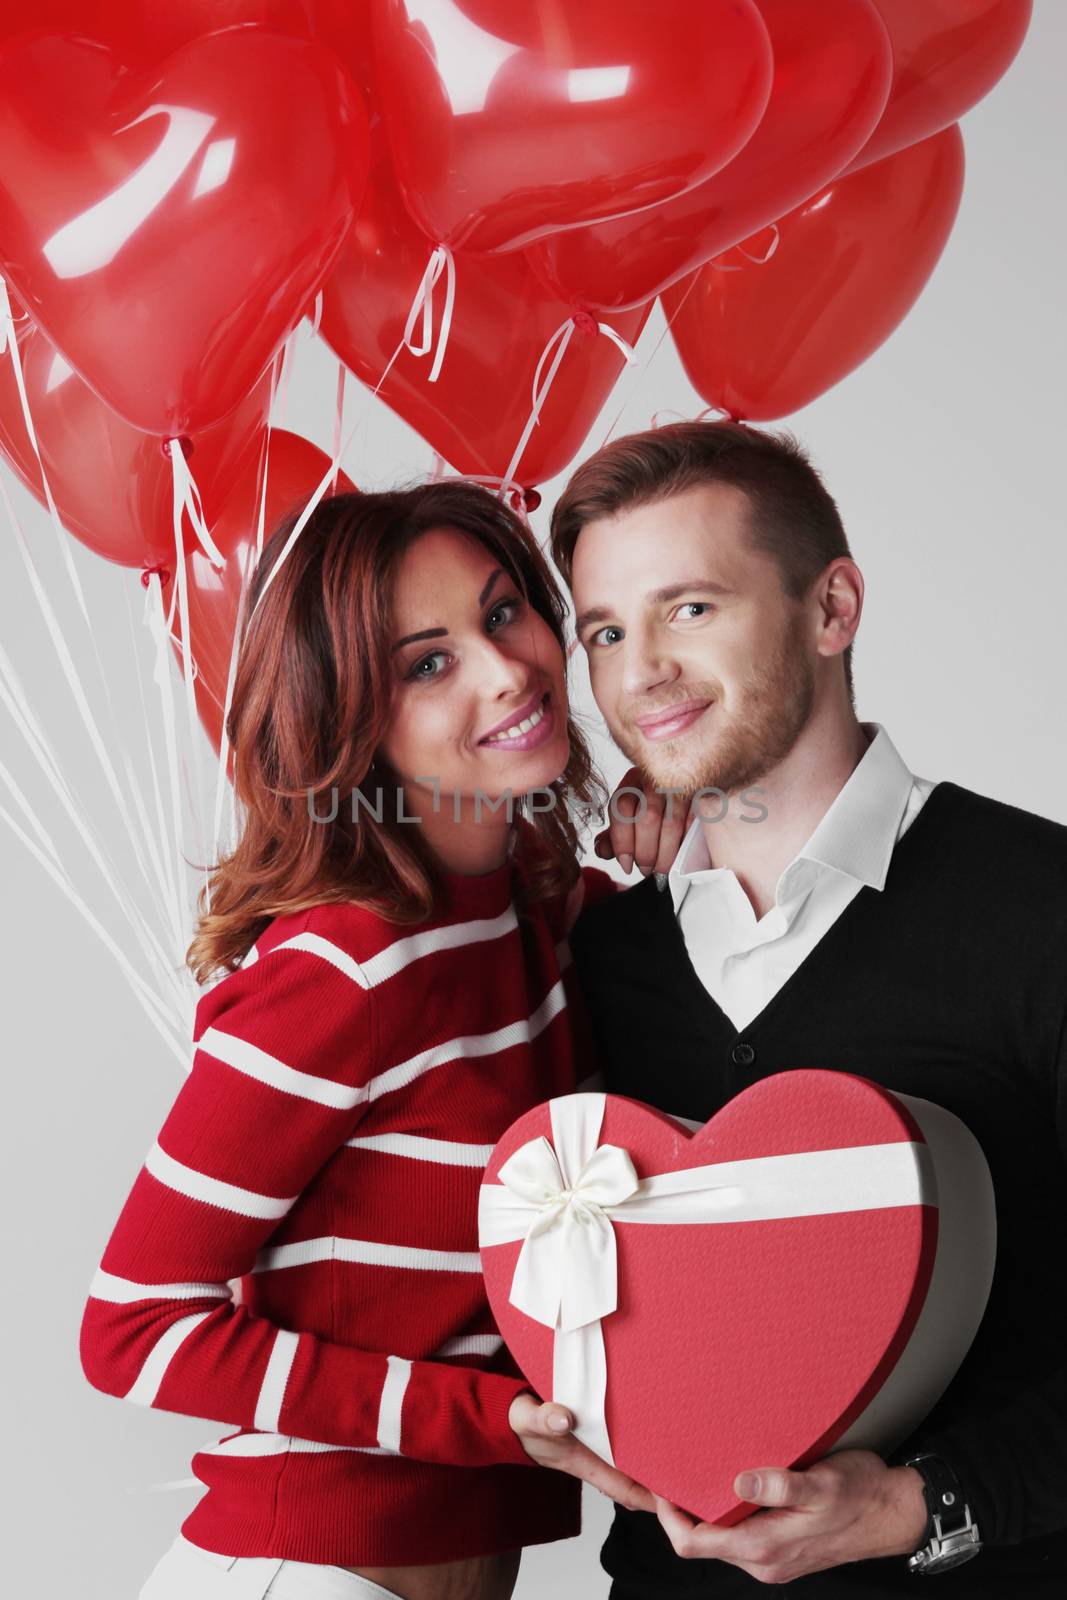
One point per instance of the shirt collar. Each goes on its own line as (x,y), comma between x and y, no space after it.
(855,836)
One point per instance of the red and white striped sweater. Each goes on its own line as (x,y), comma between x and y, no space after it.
(347,1086)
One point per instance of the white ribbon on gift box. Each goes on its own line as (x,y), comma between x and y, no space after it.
(563,1204)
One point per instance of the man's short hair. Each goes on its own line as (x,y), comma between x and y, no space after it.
(793,517)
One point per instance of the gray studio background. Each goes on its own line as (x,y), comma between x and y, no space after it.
(946,454)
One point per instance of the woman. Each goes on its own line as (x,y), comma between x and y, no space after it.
(391,943)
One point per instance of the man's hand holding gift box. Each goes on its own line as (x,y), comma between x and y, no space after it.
(740,1320)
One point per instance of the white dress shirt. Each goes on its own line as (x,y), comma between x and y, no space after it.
(743,960)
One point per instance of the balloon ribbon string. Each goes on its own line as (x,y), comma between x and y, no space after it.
(187,498)
(20,708)
(146,996)
(9,341)
(646,365)
(247,567)
(717,264)
(552,356)
(339,420)
(158,627)
(77,688)
(22,712)
(157,842)
(181,590)
(440,262)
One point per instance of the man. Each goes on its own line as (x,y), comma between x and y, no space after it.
(826,908)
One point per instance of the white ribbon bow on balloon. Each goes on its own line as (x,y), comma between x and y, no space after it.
(564,1198)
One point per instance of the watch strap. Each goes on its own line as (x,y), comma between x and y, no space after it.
(951,1535)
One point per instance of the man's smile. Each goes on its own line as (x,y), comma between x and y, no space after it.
(672,720)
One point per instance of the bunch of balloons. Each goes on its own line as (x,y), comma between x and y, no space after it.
(478,201)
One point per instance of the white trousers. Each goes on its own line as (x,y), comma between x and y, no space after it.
(188,1573)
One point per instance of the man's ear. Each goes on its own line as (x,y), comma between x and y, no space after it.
(839,592)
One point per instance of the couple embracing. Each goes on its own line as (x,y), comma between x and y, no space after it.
(409,962)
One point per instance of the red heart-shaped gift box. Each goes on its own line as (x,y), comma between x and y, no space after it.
(825,1303)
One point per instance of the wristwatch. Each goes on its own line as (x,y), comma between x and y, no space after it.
(951,1536)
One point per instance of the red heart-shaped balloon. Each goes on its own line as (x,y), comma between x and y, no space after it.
(168,229)
(947,54)
(112,484)
(832,70)
(762,337)
(142,32)
(295,468)
(736,1344)
(475,413)
(511,119)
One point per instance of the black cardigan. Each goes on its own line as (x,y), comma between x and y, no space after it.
(950,984)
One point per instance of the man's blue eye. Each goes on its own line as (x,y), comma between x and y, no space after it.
(599,636)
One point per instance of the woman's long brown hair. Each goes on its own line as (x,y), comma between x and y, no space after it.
(311,703)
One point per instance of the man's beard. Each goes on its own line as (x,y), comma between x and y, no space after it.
(773,708)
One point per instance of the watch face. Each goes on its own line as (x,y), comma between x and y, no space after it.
(954,1555)
(953,1558)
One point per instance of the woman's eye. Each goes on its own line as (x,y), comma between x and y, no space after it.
(694,607)
(424,666)
(503,612)
(601,637)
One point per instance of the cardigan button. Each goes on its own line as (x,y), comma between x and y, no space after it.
(742,1055)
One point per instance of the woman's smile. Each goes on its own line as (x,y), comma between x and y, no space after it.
(527,729)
